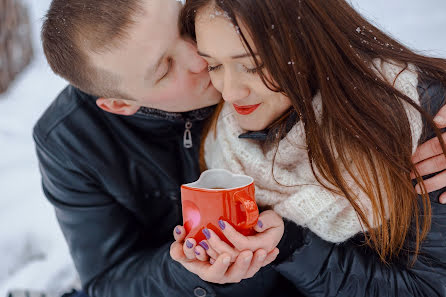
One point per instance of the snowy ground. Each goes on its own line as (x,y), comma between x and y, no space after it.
(33,253)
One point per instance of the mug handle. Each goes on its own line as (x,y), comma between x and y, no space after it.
(251,209)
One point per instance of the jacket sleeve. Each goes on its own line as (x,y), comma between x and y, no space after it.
(320,268)
(104,238)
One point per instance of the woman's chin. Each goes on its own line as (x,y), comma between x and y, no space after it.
(252,125)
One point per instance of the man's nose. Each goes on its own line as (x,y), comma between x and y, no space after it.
(197,63)
(194,62)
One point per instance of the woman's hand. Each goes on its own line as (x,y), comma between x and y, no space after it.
(429,158)
(221,271)
(270,230)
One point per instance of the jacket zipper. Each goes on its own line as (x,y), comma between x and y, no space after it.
(187,138)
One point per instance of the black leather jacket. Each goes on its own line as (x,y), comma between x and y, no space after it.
(114,184)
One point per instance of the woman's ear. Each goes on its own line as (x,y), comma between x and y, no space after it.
(118,106)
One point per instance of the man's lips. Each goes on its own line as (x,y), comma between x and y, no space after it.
(246,109)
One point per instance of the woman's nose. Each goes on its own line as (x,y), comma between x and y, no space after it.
(234,90)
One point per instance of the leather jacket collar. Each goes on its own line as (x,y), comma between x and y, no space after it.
(194,115)
(273,132)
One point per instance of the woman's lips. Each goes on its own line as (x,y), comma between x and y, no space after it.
(246,109)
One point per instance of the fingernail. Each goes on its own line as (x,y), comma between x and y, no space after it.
(248,259)
(189,244)
(177,230)
(439,120)
(221,224)
(443,200)
(260,224)
(226,260)
(262,257)
(418,189)
(206,233)
(197,253)
(204,245)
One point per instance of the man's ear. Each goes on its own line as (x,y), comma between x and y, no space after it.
(118,106)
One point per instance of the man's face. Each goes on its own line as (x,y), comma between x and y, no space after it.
(158,68)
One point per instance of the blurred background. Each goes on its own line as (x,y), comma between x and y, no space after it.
(33,253)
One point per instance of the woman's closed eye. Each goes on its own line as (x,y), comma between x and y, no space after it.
(213,68)
(253,70)
(244,68)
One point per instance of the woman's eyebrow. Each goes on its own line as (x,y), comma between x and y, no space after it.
(232,57)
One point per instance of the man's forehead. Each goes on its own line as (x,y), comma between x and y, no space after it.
(159,30)
(149,37)
(161,8)
(160,18)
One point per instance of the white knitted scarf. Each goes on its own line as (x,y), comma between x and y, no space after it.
(293,192)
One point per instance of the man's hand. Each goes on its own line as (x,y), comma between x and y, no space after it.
(221,271)
(429,158)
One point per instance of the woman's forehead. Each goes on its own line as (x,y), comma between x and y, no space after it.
(217,36)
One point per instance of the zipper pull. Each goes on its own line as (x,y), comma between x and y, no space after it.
(187,139)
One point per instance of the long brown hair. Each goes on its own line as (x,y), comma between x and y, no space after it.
(308,46)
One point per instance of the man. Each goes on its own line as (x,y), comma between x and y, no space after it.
(115,146)
(113,156)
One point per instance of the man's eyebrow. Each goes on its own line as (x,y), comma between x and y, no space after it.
(232,57)
(152,70)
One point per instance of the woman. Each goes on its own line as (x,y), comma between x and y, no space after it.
(322,79)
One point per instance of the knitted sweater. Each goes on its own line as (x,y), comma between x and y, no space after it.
(297,195)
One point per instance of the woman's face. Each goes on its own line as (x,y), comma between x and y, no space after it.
(234,73)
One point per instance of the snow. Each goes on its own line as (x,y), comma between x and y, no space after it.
(418,24)
(33,253)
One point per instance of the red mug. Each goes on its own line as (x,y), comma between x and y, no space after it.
(219,195)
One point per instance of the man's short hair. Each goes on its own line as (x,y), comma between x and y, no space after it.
(74,28)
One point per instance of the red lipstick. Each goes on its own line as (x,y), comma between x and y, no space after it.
(246,109)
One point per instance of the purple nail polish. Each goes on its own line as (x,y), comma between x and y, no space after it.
(204,245)
(206,233)
(189,244)
(260,224)
(221,224)
(197,253)
(177,230)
